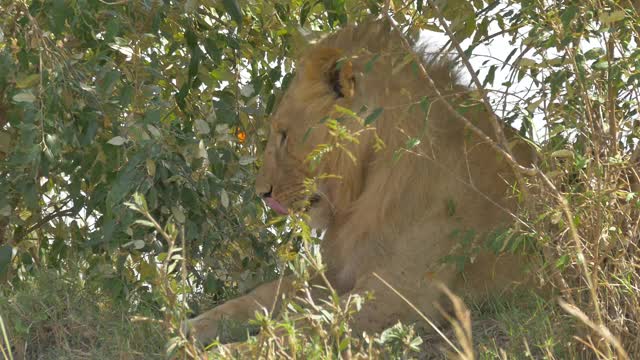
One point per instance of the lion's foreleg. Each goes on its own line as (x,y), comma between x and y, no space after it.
(206,326)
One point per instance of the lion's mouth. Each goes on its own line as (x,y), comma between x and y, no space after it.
(283,210)
(276,206)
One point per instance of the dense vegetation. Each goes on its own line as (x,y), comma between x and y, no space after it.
(130,133)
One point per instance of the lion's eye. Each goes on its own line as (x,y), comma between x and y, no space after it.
(283,138)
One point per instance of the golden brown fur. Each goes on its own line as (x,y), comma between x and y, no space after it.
(391,216)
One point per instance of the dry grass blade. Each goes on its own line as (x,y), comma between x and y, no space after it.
(599,329)
(7,345)
(461,323)
(422,315)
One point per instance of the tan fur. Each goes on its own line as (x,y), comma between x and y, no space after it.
(384,215)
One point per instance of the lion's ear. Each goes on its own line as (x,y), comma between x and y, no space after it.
(330,67)
(341,78)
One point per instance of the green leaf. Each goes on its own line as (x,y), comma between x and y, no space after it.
(528,63)
(109,82)
(127,180)
(415,344)
(601,64)
(117,141)
(124,50)
(182,94)
(490,76)
(202,127)
(594,53)
(306,134)
(304,12)
(563,153)
(609,18)
(346,111)
(194,62)
(233,9)
(508,58)
(369,65)
(534,105)
(411,143)
(5,210)
(335,11)
(140,201)
(451,207)
(344,343)
(562,261)
(568,15)
(425,105)
(5,142)
(6,253)
(630,196)
(147,271)
(246,160)
(224,198)
(28,81)
(24,96)
(144,223)
(373,116)
(135,244)
(178,214)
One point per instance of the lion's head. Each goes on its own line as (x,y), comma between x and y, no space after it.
(324,80)
(355,69)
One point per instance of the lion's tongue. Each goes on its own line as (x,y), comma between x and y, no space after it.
(276,206)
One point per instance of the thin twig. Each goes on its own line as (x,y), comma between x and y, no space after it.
(43,221)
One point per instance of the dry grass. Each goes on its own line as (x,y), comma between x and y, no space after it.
(54,316)
(593,258)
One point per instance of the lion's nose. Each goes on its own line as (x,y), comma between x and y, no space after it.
(267,194)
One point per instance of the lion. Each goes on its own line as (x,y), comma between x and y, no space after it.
(395,210)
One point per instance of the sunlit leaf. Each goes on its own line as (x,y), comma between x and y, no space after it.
(28,81)
(246,160)
(135,244)
(224,198)
(611,17)
(117,141)
(25,96)
(202,127)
